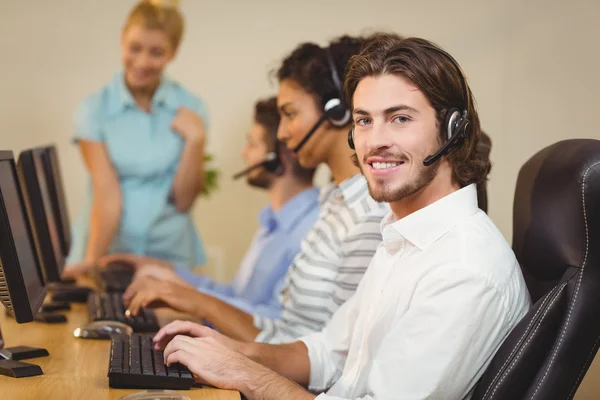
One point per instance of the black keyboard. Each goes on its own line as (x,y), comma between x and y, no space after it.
(115,277)
(135,364)
(110,307)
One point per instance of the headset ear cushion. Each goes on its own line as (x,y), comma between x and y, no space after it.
(337,112)
(273,163)
(351,138)
(453,119)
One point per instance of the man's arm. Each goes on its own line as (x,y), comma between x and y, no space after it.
(266,371)
(220,366)
(289,360)
(316,360)
(224,362)
(203,283)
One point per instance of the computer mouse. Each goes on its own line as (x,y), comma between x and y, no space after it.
(102,330)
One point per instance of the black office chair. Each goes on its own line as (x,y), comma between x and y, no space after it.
(556,237)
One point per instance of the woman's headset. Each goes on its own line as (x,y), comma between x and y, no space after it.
(335,110)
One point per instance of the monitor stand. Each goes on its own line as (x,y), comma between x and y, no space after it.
(67,291)
(55,306)
(72,294)
(12,367)
(45,317)
(62,284)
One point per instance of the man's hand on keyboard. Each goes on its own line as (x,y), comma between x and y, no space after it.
(212,362)
(216,364)
(175,328)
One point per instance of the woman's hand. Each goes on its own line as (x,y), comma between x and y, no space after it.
(134,260)
(78,269)
(189,125)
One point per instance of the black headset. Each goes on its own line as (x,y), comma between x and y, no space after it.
(456,124)
(272,162)
(335,110)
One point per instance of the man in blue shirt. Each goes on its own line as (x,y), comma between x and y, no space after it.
(293,209)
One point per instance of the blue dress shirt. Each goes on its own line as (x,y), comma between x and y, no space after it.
(261,275)
(145,153)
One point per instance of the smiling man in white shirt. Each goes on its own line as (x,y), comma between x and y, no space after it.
(444,288)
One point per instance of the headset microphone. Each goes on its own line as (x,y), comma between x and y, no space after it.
(271,163)
(452,140)
(335,110)
(310,133)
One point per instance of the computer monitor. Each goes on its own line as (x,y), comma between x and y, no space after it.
(22,289)
(41,215)
(57,196)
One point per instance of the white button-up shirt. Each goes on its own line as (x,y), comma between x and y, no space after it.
(442,292)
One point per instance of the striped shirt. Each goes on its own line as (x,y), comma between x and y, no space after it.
(333,259)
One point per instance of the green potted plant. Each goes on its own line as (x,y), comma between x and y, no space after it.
(211,176)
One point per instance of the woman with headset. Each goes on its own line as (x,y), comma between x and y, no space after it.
(142,139)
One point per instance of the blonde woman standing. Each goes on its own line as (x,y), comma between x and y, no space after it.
(142,139)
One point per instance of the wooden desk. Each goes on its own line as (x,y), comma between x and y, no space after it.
(75,369)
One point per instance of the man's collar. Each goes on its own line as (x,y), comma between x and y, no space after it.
(293,210)
(427,225)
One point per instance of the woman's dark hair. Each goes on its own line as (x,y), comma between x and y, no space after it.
(308,66)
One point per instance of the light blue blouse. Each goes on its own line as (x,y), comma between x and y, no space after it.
(145,152)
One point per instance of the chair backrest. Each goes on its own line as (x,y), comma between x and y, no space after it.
(556,238)
(484,147)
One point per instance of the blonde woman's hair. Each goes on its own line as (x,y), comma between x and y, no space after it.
(158,14)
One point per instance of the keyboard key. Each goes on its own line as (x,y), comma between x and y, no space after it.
(159,364)
(186,374)
(126,358)
(116,358)
(135,364)
(172,370)
(147,365)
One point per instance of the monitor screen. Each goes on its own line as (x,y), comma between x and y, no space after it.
(41,214)
(57,196)
(22,290)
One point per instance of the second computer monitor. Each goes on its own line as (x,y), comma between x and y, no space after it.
(57,196)
(41,214)
(22,289)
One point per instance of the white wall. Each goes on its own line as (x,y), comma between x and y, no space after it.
(533,67)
